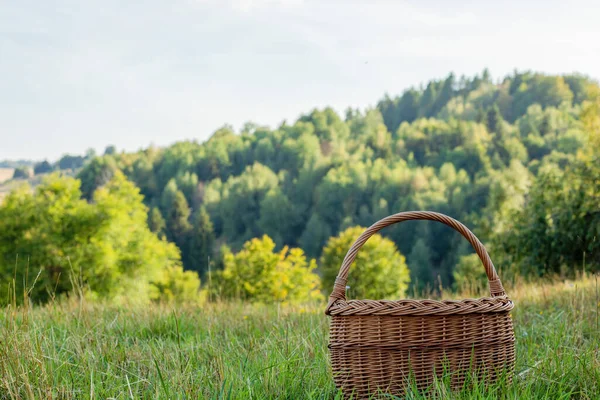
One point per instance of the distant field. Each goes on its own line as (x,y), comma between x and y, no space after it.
(73,350)
(6,174)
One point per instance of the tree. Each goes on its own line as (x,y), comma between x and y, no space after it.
(278,218)
(177,221)
(22,173)
(110,150)
(96,174)
(446,93)
(447,145)
(315,235)
(493,119)
(70,162)
(156,222)
(201,242)
(427,101)
(90,154)
(329,127)
(421,269)
(42,168)
(258,273)
(379,270)
(241,200)
(104,246)
(557,230)
(404,108)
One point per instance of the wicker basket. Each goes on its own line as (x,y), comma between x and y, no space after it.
(381,346)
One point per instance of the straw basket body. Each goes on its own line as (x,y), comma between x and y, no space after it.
(380,346)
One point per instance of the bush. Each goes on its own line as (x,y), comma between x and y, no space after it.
(258,273)
(177,285)
(56,238)
(22,173)
(379,269)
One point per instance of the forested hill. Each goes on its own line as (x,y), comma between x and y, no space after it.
(467,147)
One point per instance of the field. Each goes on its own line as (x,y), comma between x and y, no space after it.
(74,349)
(5,175)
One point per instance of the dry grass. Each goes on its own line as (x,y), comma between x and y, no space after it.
(6,174)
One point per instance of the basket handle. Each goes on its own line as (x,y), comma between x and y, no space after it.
(339,287)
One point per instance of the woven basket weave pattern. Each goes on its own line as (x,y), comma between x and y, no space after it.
(378,345)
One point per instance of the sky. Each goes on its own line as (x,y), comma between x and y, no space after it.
(79,74)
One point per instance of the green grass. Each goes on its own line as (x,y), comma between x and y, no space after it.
(76,350)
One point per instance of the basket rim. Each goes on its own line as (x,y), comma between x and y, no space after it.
(497,304)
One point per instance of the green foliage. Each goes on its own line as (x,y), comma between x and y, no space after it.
(419,261)
(548,91)
(278,218)
(22,173)
(493,119)
(42,168)
(315,235)
(156,222)
(67,162)
(559,226)
(52,240)
(303,182)
(469,274)
(177,217)
(257,273)
(97,173)
(176,285)
(201,242)
(379,270)
(110,150)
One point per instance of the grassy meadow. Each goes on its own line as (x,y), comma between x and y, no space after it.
(73,349)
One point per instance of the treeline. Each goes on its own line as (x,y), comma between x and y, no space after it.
(67,163)
(514,159)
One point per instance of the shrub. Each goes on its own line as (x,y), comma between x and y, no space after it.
(22,173)
(379,269)
(105,246)
(258,273)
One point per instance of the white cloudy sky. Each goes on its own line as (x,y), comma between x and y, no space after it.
(76,74)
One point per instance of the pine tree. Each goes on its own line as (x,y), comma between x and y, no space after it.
(156,222)
(428,100)
(315,235)
(446,93)
(42,168)
(481,115)
(22,173)
(494,119)
(177,221)
(545,125)
(419,263)
(486,76)
(201,242)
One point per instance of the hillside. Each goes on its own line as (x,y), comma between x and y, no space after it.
(468,147)
(516,160)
